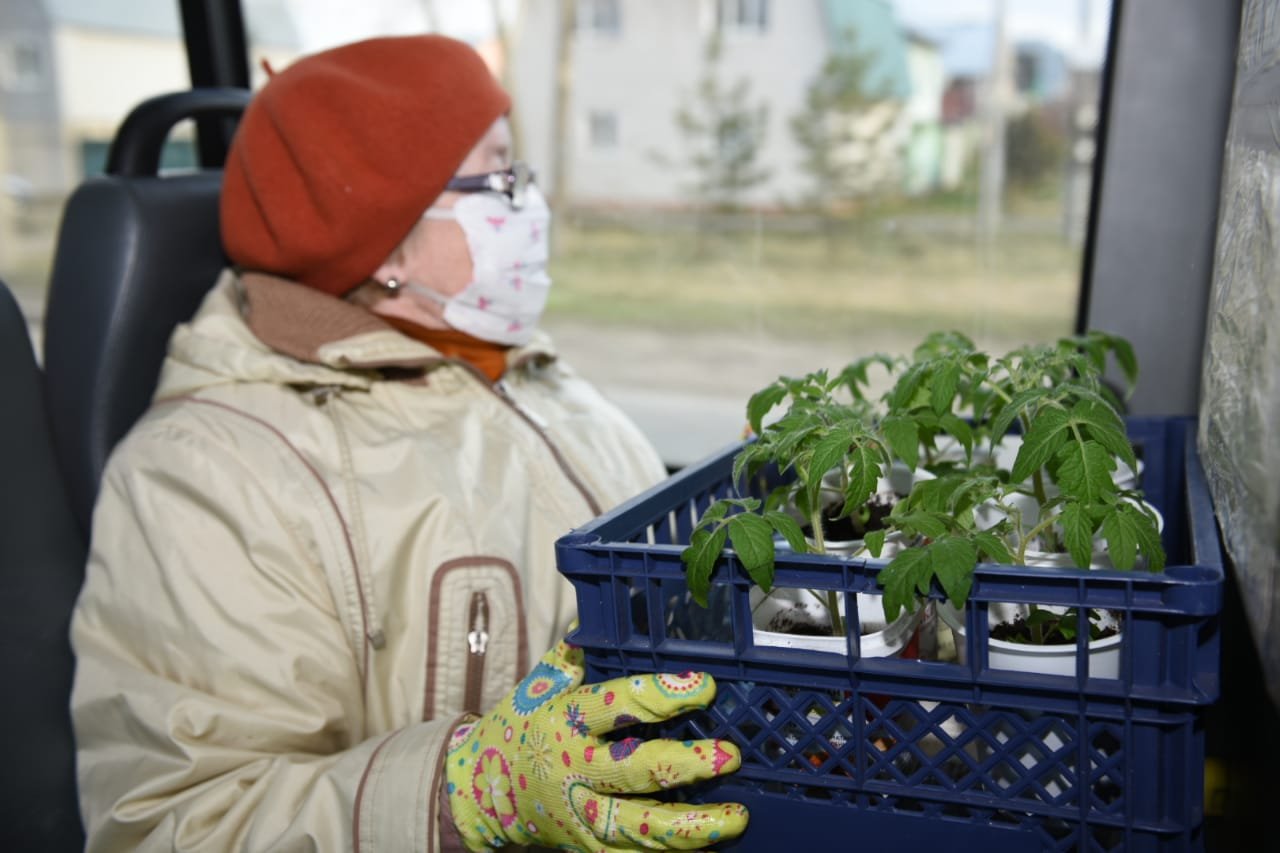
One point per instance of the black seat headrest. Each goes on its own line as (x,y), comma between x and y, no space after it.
(136,253)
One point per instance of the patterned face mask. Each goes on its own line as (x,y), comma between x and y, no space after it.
(508,291)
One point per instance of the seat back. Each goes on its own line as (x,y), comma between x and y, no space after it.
(41,566)
(136,253)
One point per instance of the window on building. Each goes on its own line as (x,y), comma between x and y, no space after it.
(603,129)
(743,15)
(1025,72)
(24,69)
(600,16)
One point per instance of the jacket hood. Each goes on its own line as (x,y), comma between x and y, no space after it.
(259,328)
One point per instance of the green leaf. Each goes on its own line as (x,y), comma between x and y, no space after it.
(752,539)
(1084,471)
(960,430)
(942,390)
(952,560)
(854,375)
(864,472)
(901,578)
(1126,358)
(903,436)
(828,453)
(789,529)
(749,459)
(1077,528)
(875,542)
(700,560)
(933,495)
(1148,534)
(930,524)
(1107,429)
(993,548)
(762,402)
(1039,617)
(904,390)
(714,513)
(1047,435)
(1119,529)
(1022,400)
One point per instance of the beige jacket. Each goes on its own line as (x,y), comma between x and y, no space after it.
(305,567)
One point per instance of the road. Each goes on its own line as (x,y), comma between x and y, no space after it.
(690,394)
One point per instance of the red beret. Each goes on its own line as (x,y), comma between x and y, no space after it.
(338,155)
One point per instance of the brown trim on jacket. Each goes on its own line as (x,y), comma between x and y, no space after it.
(297,320)
(364,777)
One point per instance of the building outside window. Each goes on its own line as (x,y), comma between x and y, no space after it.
(743,15)
(603,129)
(600,16)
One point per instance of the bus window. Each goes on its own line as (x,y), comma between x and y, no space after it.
(794,184)
(69,72)
(790,186)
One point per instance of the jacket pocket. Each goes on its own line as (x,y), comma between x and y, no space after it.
(477,644)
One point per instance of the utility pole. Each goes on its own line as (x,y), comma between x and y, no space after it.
(1081,132)
(563,100)
(995,102)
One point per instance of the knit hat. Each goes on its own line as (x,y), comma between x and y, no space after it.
(338,155)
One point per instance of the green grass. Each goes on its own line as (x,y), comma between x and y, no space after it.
(793,282)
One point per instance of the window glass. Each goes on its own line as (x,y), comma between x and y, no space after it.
(743,15)
(742,189)
(69,72)
(604,129)
(798,183)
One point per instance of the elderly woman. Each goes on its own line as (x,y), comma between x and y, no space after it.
(322,560)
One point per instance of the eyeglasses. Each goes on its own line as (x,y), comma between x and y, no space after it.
(510,182)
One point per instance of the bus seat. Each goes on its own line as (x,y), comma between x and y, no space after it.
(136,253)
(41,566)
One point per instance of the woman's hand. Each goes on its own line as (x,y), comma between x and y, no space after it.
(537,770)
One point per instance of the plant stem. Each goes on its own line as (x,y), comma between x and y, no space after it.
(1037,483)
(1044,524)
(833,597)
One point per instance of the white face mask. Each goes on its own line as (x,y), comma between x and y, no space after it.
(509,287)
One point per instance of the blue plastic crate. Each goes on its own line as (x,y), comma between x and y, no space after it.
(865,753)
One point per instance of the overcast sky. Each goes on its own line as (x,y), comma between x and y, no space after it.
(1077,27)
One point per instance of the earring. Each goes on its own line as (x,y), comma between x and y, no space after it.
(393,286)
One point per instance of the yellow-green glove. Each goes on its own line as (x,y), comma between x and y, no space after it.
(537,771)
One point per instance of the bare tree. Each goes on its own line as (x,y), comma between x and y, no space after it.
(562,129)
(724,133)
(839,127)
(502,33)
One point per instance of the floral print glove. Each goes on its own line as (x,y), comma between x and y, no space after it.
(537,770)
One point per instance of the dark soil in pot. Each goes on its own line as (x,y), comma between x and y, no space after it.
(852,526)
(1019,631)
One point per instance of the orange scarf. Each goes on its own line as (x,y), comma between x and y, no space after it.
(489,358)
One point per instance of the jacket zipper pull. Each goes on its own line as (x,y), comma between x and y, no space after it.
(477,642)
(478,636)
(505,393)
